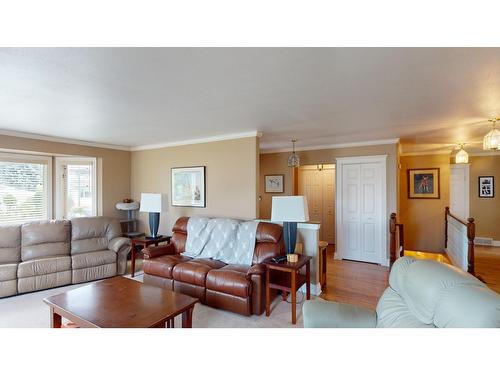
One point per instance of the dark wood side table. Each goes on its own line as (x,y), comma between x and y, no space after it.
(286,277)
(144,242)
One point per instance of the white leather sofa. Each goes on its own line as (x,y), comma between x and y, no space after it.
(421,294)
(47,254)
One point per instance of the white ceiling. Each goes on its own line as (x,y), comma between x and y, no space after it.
(430,98)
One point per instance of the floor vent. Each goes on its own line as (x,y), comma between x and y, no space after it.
(483,241)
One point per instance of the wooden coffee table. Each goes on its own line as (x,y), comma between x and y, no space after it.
(119,302)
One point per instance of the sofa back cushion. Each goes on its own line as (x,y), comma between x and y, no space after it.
(443,295)
(10,244)
(93,233)
(268,242)
(40,239)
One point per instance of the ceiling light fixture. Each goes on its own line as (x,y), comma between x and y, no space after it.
(293,159)
(491,141)
(462,157)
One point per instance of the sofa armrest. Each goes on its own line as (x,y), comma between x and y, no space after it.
(337,315)
(256,269)
(156,251)
(119,244)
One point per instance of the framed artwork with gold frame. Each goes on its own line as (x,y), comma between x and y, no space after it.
(423,183)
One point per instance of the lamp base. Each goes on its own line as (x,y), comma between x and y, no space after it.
(290,236)
(292,258)
(154,223)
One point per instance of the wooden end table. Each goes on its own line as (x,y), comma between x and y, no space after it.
(144,242)
(119,302)
(288,279)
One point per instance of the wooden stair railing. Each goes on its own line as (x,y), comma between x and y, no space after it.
(471,234)
(396,231)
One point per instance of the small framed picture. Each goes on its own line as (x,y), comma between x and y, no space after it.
(275,183)
(423,183)
(188,187)
(486,186)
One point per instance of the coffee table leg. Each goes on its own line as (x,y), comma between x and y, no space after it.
(187,318)
(55,319)
(268,296)
(132,260)
(294,298)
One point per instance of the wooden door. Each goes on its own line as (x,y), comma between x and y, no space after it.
(328,205)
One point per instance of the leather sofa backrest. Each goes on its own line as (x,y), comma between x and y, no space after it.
(443,295)
(10,244)
(269,241)
(40,239)
(93,233)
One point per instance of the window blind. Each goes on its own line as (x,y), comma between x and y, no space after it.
(79,190)
(23,190)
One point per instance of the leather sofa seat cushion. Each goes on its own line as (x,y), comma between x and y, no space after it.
(93,259)
(392,312)
(10,244)
(230,279)
(83,275)
(195,271)
(41,239)
(45,266)
(163,265)
(8,272)
(93,233)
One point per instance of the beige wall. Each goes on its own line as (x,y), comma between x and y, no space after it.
(115,165)
(276,163)
(231,175)
(423,219)
(485,211)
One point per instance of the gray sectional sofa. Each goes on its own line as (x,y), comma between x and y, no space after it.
(47,254)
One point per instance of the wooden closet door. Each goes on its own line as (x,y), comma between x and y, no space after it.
(328,205)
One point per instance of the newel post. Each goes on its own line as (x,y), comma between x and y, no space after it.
(392,231)
(446,213)
(471,234)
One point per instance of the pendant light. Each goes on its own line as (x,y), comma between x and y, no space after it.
(462,157)
(293,159)
(491,141)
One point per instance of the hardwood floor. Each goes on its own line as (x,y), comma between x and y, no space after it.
(362,284)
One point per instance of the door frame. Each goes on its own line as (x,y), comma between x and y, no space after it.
(340,162)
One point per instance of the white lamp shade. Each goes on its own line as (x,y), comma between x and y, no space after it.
(153,202)
(290,209)
(462,157)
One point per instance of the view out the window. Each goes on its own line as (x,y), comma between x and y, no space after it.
(23,191)
(79,194)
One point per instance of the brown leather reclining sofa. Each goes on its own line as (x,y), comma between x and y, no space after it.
(233,287)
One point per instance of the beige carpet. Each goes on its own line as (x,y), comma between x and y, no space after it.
(29,311)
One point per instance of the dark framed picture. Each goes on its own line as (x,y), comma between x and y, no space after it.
(423,183)
(188,187)
(486,186)
(275,183)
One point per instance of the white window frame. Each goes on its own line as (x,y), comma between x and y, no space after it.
(28,158)
(60,197)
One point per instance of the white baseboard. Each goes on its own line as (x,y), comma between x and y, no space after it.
(315,289)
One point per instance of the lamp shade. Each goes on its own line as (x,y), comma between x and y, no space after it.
(290,209)
(153,202)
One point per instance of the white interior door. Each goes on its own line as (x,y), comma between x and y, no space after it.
(459,190)
(329,205)
(361,209)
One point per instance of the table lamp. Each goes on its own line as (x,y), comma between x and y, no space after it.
(154,203)
(290,210)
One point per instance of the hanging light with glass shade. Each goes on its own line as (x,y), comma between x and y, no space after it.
(491,141)
(462,157)
(293,159)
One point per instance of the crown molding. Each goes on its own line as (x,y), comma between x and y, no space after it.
(40,137)
(333,146)
(422,153)
(197,140)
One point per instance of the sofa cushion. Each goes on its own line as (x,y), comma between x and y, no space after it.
(92,259)
(93,233)
(10,244)
(230,279)
(48,238)
(195,271)
(45,266)
(163,265)
(8,272)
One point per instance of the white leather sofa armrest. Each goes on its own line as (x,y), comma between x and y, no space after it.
(120,244)
(337,315)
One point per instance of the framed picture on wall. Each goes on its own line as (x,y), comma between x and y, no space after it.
(486,186)
(275,183)
(423,183)
(188,187)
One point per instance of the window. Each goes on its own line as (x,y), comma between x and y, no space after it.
(76,187)
(25,188)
